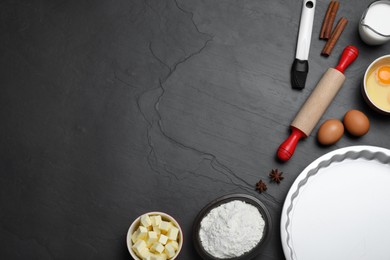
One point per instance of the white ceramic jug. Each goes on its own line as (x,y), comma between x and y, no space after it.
(374,26)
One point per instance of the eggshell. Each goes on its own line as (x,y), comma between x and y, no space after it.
(330,132)
(356,122)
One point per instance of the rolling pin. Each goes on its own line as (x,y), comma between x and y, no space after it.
(317,103)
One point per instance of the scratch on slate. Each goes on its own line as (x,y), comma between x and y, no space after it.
(158,59)
(239,107)
(122,81)
(214,162)
(151,152)
(138,98)
(271,199)
(192,17)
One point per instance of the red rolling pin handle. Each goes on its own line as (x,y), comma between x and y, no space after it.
(349,54)
(287,148)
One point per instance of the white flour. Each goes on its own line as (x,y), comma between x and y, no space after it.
(231,229)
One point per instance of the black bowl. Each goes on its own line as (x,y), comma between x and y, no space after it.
(222,200)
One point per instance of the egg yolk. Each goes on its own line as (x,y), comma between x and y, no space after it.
(384,75)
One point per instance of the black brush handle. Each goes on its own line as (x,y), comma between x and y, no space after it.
(299,71)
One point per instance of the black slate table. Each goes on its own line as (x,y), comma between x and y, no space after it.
(110,109)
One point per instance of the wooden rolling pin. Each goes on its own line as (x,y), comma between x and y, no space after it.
(317,103)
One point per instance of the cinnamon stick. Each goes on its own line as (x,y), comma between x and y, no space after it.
(329,18)
(332,17)
(327,50)
(326,20)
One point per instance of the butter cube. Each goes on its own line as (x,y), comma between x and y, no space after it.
(144,253)
(174,244)
(140,233)
(169,250)
(163,239)
(158,256)
(156,220)
(145,221)
(139,247)
(151,238)
(165,226)
(157,230)
(172,233)
(157,247)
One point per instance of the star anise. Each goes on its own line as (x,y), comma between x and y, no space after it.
(261,186)
(276,176)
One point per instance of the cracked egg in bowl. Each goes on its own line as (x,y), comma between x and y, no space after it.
(376,85)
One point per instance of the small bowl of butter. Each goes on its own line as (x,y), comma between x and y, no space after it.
(154,236)
(376,85)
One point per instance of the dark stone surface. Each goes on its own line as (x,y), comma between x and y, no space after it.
(111,109)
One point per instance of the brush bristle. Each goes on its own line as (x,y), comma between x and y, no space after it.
(299,71)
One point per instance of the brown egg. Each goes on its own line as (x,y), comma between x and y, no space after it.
(356,123)
(330,132)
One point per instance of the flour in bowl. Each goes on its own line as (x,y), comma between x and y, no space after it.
(231,229)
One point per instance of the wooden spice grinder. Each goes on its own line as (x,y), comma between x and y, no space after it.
(317,103)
